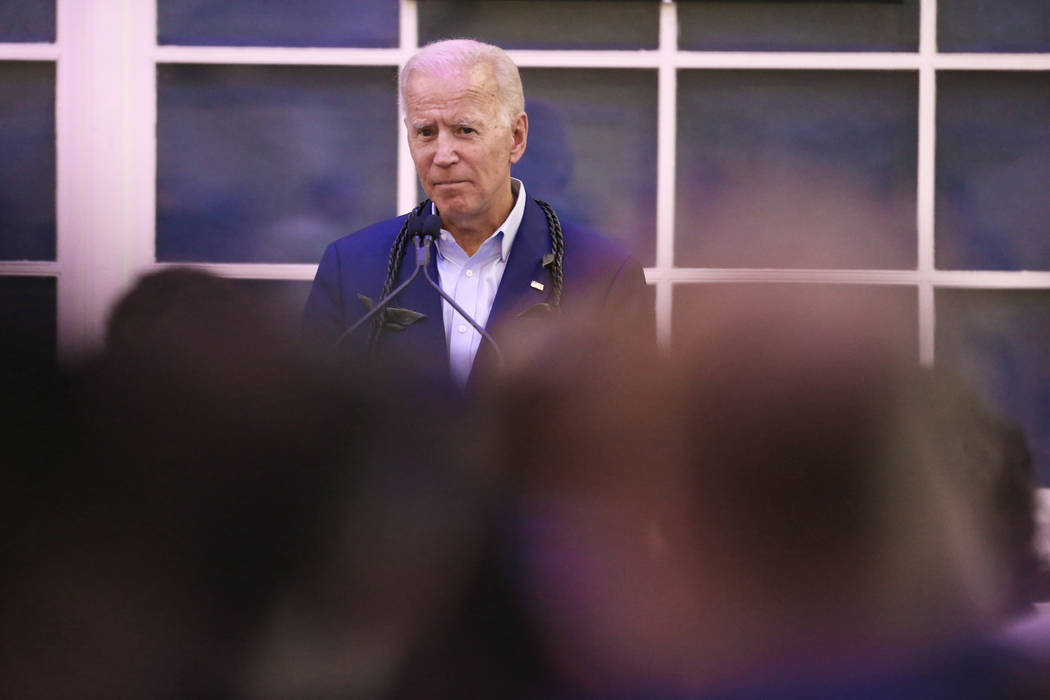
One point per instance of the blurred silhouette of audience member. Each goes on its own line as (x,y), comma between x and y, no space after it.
(489,641)
(988,457)
(224,518)
(785,508)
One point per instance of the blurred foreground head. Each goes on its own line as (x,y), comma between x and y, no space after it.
(784,497)
(229,519)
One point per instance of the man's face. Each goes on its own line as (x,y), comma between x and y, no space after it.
(462,146)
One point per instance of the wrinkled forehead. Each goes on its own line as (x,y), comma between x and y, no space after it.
(433,85)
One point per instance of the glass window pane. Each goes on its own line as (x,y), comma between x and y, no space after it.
(592,150)
(799,26)
(885,313)
(27,169)
(993,170)
(363,23)
(271,163)
(993,25)
(796,169)
(1000,340)
(27,321)
(543,24)
(27,20)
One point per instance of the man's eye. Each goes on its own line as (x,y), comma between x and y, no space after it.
(468,130)
(425,132)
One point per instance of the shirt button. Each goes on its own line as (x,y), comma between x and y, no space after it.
(470,273)
(462,328)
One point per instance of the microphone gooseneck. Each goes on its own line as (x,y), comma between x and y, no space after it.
(430,230)
(459,309)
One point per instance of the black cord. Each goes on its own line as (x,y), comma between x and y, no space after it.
(558,248)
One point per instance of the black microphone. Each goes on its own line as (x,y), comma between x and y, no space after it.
(430,226)
(415,226)
(425,229)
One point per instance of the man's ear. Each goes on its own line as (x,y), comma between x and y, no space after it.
(519,130)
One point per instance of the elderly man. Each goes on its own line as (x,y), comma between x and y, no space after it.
(501,255)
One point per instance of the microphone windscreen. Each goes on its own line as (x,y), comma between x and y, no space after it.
(415,225)
(431,226)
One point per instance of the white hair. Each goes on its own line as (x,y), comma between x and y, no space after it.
(453,55)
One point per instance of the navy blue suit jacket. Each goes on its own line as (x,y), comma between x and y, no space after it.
(600,277)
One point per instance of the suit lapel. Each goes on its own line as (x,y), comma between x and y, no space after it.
(516,293)
(525,266)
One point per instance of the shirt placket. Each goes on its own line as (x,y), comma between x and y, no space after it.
(462,335)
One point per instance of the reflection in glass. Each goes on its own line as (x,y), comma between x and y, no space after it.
(27,321)
(271,163)
(27,20)
(993,166)
(884,316)
(543,24)
(796,169)
(799,26)
(361,23)
(1000,340)
(993,25)
(592,150)
(27,168)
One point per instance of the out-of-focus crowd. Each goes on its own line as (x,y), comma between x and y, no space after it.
(781,505)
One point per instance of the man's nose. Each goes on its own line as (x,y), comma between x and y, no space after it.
(445,154)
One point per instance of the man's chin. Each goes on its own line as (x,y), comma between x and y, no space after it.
(450,206)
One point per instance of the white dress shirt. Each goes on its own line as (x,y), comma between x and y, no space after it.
(472,281)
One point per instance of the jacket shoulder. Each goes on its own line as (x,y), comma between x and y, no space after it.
(351,265)
(376,237)
(588,246)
